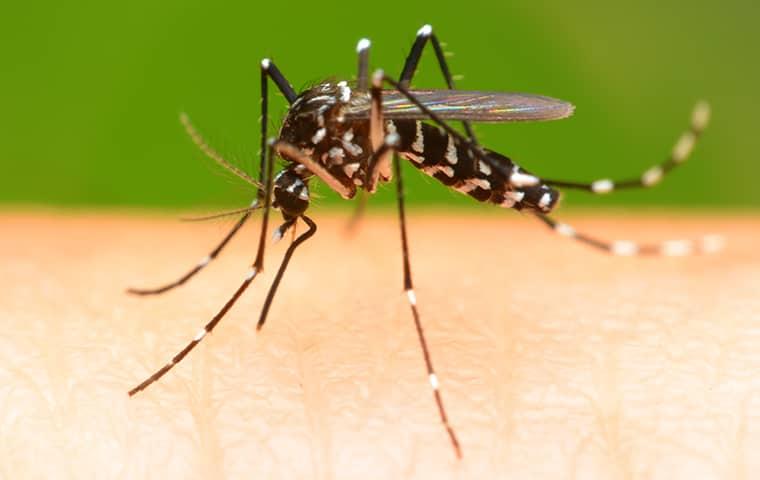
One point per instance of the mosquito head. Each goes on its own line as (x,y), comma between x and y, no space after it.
(291,194)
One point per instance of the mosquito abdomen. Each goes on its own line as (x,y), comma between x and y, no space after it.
(451,162)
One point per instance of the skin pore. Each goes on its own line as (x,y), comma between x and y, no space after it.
(554,361)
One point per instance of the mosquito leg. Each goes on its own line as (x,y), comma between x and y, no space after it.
(284,264)
(256,267)
(379,163)
(409,288)
(270,70)
(200,266)
(413,58)
(680,153)
(362,76)
(671,248)
(214,155)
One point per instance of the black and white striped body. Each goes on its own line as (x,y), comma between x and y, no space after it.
(446,159)
(316,124)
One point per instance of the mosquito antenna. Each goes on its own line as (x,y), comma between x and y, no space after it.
(213,154)
(228,213)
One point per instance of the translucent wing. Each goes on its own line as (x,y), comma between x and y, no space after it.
(466,105)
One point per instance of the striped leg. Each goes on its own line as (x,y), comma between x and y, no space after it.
(424,34)
(202,264)
(362,77)
(256,267)
(386,151)
(409,288)
(672,248)
(268,71)
(680,153)
(214,155)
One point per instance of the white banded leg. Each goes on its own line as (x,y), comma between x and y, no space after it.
(681,150)
(412,298)
(671,248)
(424,35)
(256,267)
(362,52)
(214,155)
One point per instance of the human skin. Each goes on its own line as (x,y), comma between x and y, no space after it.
(555,361)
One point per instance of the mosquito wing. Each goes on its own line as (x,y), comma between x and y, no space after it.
(475,106)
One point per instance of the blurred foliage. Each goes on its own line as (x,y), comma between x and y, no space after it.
(92,90)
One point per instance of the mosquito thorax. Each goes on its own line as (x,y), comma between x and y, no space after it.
(316,124)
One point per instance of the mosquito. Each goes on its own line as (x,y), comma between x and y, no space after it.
(348,136)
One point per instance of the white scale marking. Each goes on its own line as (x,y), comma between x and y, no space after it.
(451,152)
(199,336)
(304,194)
(521,180)
(337,154)
(352,148)
(701,116)
(425,31)
(345,92)
(419,141)
(484,168)
(545,200)
(251,273)
(265,63)
(684,146)
(516,196)
(652,176)
(434,381)
(412,297)
(448,171)
(624,248)
(363,44)
(319,136)
(322,98)
(204,261)
(351,168)
(604,185)
(676,248)
(564,229)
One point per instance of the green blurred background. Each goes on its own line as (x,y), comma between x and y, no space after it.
(92,91)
